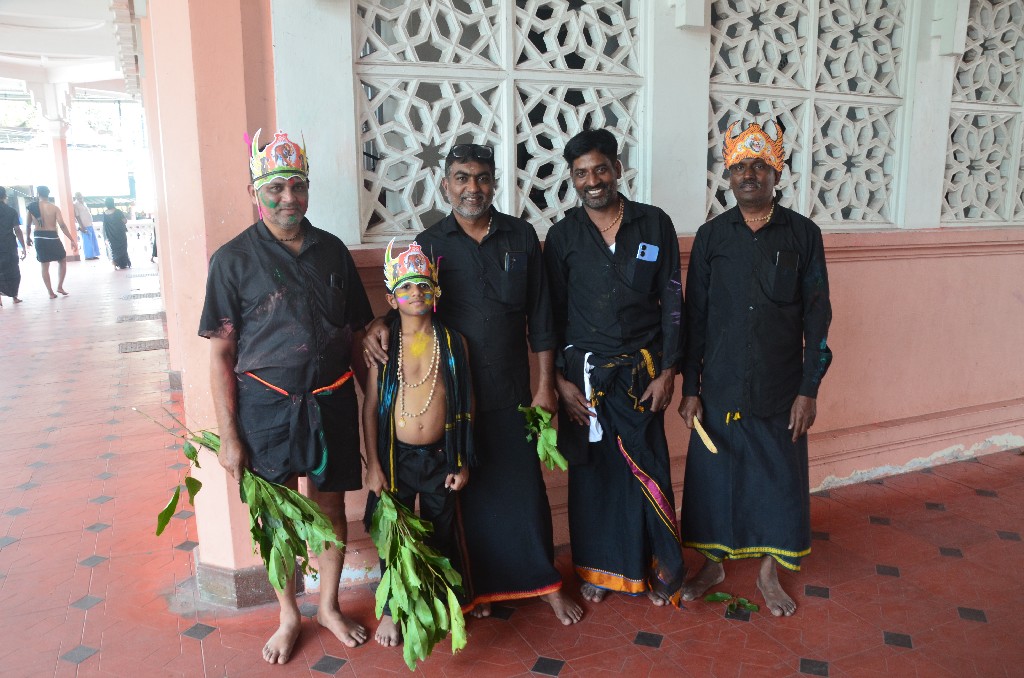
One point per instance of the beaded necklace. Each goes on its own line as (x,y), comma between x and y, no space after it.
(432,371)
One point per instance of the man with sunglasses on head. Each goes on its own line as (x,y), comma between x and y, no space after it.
(757,318)
(495,295)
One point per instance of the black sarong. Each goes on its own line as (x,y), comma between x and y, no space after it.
(48,246)
(752,498)
(10,273)
(622,519)
(313,434)
(505,515)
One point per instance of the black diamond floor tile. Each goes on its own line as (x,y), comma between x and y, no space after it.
(79,654)
(648,639)
(879,520)
(328,664)
(970,614)
(502,611)
(16,511)
(97,527)
(817,591)
(813,667)
(887,570)
(102,499)
(27,486)
(187,545)
(183,515)
(93,561)
(106,475)
(547,666)
(934,506)
(86,602)
(986,493)
(37,464)
(7,541)
(898,639)
(739,614)
(199,631)
(1008,536)
(308,610)
(950,552)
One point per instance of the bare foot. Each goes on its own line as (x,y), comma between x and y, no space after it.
(480,611)
(17,300)
(52,295)
(658,599)
(347,631)
(388,634)
(279,648)
(566,609)
(711,574)
(61,290)
(777,600)
(592,594)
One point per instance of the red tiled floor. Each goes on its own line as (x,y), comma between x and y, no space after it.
(65,418)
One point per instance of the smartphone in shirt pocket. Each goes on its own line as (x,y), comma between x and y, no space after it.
(514,279)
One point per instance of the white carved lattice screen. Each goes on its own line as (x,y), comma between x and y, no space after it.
(521,76)
(984,166)
(832,72)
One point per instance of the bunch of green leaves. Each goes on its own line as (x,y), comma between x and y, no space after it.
(282,522)
(538,424)
(418,583)
(732,603)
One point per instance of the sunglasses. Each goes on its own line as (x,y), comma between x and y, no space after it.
(472,151)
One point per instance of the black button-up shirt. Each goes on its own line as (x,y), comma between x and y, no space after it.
(617,303)
(294,315)
(757,313)
(495,294)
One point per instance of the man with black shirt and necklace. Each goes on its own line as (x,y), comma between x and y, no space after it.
(284,310)
(757,317)
(495,294)
(613,266)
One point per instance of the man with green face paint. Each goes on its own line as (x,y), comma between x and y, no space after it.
(284,308)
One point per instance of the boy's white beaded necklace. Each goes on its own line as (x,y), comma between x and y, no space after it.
(431,371)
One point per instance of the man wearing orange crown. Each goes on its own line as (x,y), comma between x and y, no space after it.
(284,309)
(757,317)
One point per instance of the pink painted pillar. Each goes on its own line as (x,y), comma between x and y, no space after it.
(61,193)
(207,89)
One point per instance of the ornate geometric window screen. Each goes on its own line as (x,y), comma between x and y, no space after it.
(840,106)
(984,166)
(521,76)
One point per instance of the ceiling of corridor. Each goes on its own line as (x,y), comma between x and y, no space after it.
(87,44)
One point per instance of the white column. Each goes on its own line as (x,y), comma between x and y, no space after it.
(678,91)
(315,95)
(940,28)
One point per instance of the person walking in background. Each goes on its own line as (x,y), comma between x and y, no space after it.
(90,246)
(115,230)
(10,236)
(49,248)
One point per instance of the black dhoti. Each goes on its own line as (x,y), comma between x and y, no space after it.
(752,498)
(48,246)
(505,514)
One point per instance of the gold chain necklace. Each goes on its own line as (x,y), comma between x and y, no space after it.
(766,217)
(433,370)
(622,208)
(294,237)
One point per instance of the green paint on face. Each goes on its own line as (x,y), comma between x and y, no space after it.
(267,201)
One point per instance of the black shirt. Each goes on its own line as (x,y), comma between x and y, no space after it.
(495,294)
(294,315)
(617,303)
(757,313)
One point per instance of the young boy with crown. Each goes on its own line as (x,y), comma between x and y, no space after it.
(417,422)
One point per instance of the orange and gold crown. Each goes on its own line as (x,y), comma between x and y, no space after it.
(282,157)
(754,142)
(411,265)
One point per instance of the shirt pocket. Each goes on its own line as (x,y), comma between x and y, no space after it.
(784,277)
(640,275)
(512,289)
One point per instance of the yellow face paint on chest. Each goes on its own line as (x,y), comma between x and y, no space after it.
(419,344)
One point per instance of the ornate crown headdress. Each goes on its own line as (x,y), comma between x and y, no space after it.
(754,142)
(412,265)
(282,157)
